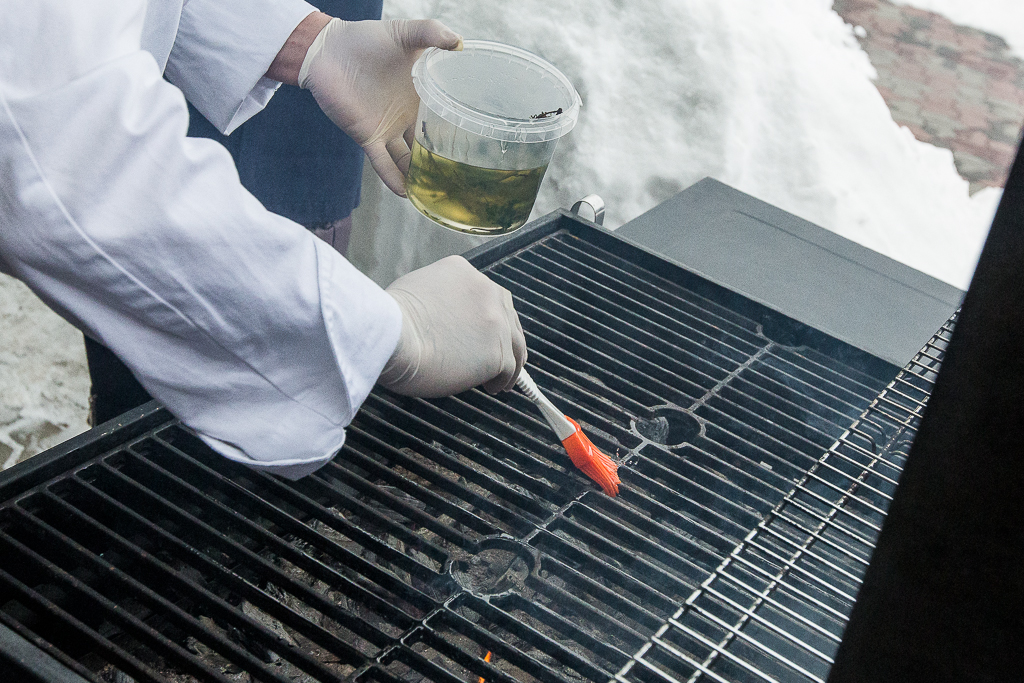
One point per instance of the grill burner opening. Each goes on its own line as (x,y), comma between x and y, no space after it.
(502,566)
(755,478)
(669,426)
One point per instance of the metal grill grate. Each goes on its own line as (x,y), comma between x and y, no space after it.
(776,607)
(454,527)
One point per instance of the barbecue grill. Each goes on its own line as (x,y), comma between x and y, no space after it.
(451,540)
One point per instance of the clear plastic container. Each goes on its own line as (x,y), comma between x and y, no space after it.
(489,119)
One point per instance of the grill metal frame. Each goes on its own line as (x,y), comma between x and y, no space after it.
(225,559)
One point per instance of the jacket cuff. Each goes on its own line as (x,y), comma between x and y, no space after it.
(365,327)
(222,51)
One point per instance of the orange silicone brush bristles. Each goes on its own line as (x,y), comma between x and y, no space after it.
(591,461)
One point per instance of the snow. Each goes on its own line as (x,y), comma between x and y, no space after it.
(1004,18)
(43,376)
(773,97)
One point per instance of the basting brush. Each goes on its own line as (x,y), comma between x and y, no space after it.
(584,454)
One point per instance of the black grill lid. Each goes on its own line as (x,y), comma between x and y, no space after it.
(809,273)
(758,458)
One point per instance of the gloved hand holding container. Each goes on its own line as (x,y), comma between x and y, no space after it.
(489,119)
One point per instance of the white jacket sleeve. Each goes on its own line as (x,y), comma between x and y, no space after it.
(223,48)
(256,335)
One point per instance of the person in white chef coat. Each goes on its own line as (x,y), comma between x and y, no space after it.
(257,335)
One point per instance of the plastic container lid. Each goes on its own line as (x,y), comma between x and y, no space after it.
(497,91)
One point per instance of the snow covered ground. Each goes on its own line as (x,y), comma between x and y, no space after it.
(773,97)
(44,383)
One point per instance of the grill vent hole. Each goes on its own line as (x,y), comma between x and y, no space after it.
(502,566)
(669,427)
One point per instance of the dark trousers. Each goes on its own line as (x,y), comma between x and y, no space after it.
(114,387)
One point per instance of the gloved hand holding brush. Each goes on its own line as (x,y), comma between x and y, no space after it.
(459,330)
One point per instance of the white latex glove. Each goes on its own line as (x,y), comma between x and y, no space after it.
(459,330)
(360,73)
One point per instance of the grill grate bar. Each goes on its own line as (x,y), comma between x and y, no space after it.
(253,563)
(670,556)
(863,451)
(195,591)
(427,636)
(632,504)
(750,423)
(565,379)
(780,581)
(659,640)
(457,622)
(671,381)
(306,563)
(755,617)
(524,279)
(593,616)
(529,504)
(622,555)
(668,647)
(814,380)
(636,612)
(519,407)
(792,567)
(769,600)
(615,381)
(344,475)
(805,397)
(839,510)
(850,381)
(597,289)
(486,428)
(768,529)
(646,288)
(705,505)
(827,521)
(421,664)
(835,487)
(47,647)
(774,410)
(365,460)
(717,429)
(819,425)
(594,405)
(713,453)
(824,526)
(561,625)
(650,591)
(31,598)
(112,611)
(738,634)
(280,547)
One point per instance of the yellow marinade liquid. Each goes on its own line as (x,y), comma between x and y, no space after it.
(483,201)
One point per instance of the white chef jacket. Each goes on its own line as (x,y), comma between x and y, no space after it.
(254,333)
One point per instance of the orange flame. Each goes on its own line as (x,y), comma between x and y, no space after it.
(589,459)
(487,658)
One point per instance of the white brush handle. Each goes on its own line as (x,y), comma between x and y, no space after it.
(559,424)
